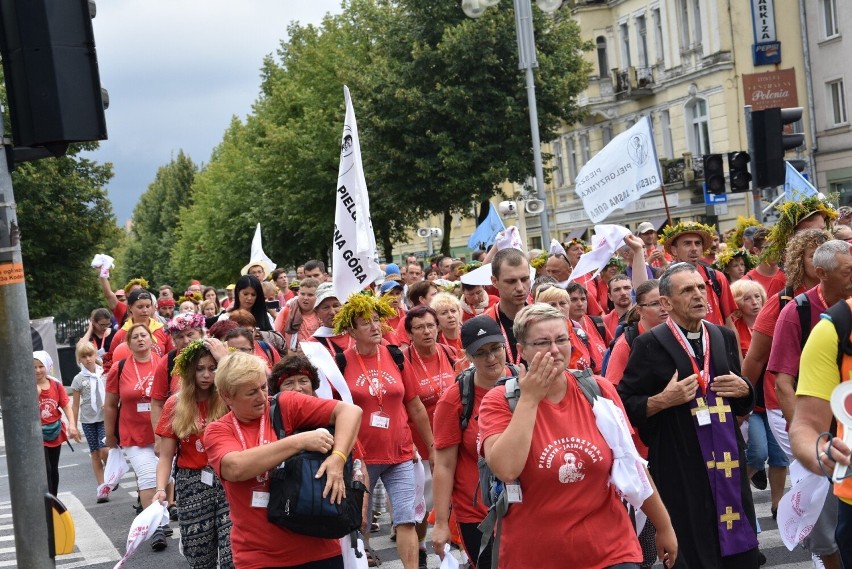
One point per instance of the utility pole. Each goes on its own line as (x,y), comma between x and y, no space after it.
(18,394)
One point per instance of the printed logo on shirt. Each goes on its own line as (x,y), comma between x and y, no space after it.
(47,407)
(144,384)
(571,455)
(373,382)
(198,446)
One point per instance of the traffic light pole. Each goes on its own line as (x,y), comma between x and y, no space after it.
(18,394)
(756,192)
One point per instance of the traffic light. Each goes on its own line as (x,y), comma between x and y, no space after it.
(738,171)
(51,72)
(769,143)
(714,173)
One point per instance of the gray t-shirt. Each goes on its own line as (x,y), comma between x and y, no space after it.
(84,383)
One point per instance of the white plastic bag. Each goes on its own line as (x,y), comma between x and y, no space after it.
(143,527)
(419,491)
(104,263)
(116,467)
(449,561)
(350,559)
(799,508)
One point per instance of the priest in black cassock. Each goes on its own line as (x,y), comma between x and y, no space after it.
(683,392)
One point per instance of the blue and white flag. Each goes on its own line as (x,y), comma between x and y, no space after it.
(487,230)
(796,187)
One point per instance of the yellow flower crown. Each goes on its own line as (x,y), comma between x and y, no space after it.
(743,223)
(193,350)
(539,261)
(361,305)
(671,231)
(789,215)
(468,268)
(577,241)
(137,281)
(725,257)
(617,262)
(194,297)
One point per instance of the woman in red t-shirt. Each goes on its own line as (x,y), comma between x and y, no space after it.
(456,477)
(750,298)
(205,523)
(132,389)
(448,311)
(52,399)
(552,447)
(140,306)
(242,448)
(390,402)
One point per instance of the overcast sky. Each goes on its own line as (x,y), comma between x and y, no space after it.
(177,71)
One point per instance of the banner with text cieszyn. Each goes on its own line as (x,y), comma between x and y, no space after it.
(621,173)
(354,257)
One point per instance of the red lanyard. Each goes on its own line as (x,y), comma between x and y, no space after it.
(437,388)
(517,359)
(377,384)
(145,391)
(261,440)
(703,376)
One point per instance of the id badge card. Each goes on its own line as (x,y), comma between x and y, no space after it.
(207,476)
(379,420)
(703,416)
(260,497)
(513,492)
(143,407)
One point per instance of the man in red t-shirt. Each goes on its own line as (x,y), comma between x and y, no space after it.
(686,242)
(620,293)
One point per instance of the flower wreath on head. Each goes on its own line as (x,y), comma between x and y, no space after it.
(617,262)
(539,261)
(789,215)
(468,268)
(735,240)
(362,305)
(724,258)
(188,354)
(577,241)
(186,321)
(193,297)
(672,231)
(137,281)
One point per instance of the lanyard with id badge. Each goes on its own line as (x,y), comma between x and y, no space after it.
(702,412)
(260,492)
(378,419)
(143,406)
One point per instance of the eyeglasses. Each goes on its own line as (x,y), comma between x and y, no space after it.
(655,304)
(560,342)
(486,354)
(421,327)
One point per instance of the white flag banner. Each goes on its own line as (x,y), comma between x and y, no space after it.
(354,258)
(605,242)
(257,253)
(556,248)
(329,373)
(626,169)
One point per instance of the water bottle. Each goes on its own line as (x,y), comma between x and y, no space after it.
(357,473)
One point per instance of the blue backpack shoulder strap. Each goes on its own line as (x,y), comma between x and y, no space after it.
(275,417)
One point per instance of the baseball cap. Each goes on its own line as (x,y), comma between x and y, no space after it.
(645,227)
(388,286)
(324,291)
(137,295)
(479,331)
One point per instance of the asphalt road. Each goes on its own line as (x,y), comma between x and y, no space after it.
(102,528)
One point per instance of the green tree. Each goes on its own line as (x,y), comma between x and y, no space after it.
(65,218)
(155,219)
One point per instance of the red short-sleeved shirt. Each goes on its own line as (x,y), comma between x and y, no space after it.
(191,454)
(492,300)
(343,341)
(448,433)
(744,333)
(721,306)
(772,285)
(787,337)
(565,484)
(765,324)
(581,358)
(164,386)
(119,312)
(257,543)
(134,392)
(50,403)
(597,345)
(430,384)
(118,349)
(391,445)
(618,358)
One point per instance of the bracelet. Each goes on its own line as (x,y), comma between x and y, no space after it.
(340,454)
(160,490)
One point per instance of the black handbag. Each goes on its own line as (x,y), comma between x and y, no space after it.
(295,494)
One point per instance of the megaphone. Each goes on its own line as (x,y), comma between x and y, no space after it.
(423,232)
(534,206)
(437,232)
(841,407)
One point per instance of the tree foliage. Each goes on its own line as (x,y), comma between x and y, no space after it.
(441,109)
(65,218)
(155,219)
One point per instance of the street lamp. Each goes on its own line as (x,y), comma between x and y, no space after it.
(527,61)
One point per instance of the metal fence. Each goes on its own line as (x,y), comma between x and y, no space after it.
(68,331)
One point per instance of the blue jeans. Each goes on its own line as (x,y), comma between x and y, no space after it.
(762,444)
(843,533)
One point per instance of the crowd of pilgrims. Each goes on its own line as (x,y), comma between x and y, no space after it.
(698,359)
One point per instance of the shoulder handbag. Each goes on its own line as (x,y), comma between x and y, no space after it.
(295,494)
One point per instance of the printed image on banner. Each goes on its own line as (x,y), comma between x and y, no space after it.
(626,169)
(354,257)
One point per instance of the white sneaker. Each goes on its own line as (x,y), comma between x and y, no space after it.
(817,562)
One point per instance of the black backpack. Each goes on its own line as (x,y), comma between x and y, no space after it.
(492,489)
(714,280)
(467,391)
(630,332)
(395,352)
(295,493)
